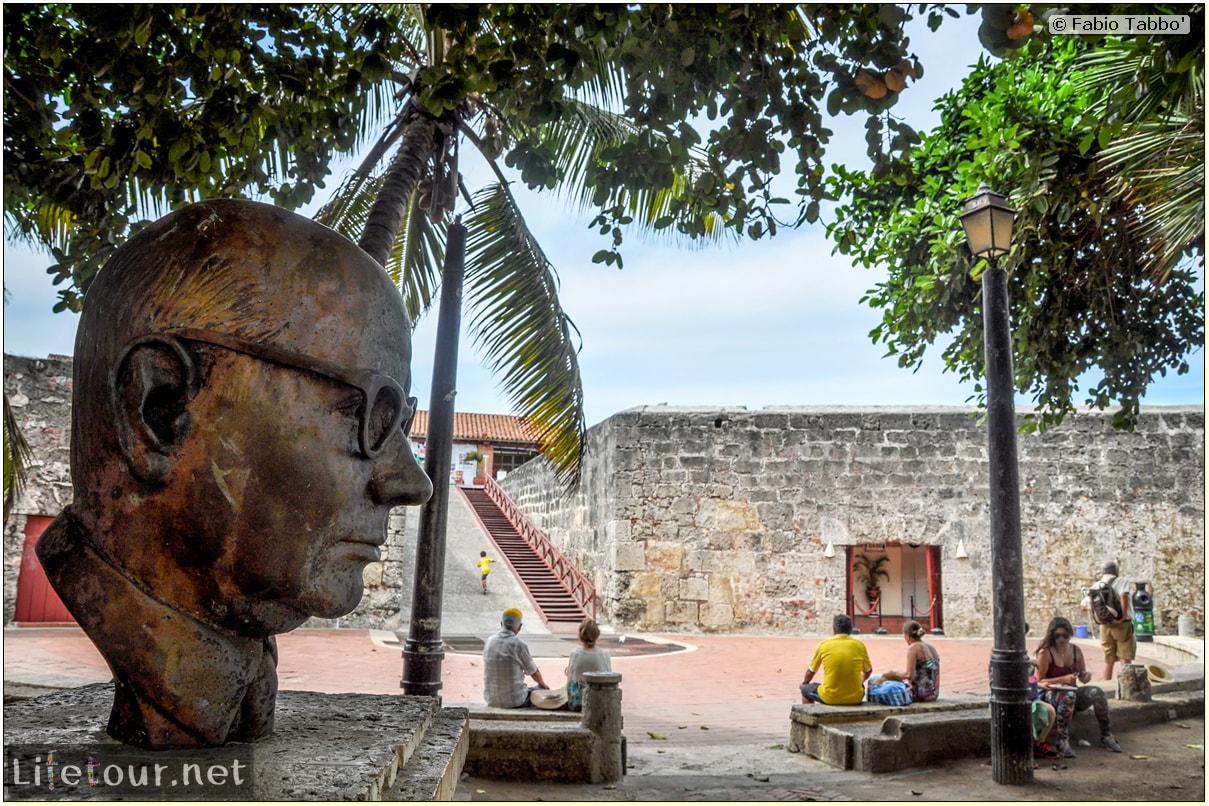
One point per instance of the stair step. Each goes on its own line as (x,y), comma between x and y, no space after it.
(553,599)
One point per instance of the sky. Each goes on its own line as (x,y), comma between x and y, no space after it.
(775,322)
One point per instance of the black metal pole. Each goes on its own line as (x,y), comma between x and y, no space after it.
(1011,729)
(424,650)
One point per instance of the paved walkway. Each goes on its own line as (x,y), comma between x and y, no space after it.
(736,687)
(707,721)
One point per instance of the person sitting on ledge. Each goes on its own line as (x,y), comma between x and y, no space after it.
(846,664)
(1060,669)
(506,661)
(923,664)
(587,657)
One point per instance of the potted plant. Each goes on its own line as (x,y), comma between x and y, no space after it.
(869,571)
(479,461)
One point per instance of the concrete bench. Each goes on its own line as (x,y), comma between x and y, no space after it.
(878,738)
(528,744)
(563,746)
(826,732)
(479,711)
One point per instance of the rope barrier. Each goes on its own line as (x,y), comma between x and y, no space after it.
(927,612)
(873,606)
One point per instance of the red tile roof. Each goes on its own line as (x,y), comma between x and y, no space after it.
(468,427)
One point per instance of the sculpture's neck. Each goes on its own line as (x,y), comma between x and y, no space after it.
(178,681)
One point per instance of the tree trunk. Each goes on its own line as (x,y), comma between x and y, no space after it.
(406,170)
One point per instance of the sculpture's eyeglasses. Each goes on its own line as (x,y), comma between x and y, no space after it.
(385,407)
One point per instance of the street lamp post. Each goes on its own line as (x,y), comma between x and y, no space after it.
(987,220)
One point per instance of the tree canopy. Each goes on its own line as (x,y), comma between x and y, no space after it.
(112,115)
(1104,266)
(666,118)
(669,118)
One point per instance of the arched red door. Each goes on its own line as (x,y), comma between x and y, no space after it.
(37,602)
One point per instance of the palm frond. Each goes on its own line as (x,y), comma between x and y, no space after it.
(383,101)
(584,133)
(416,259)
(17,457)
(1157,159)
(529,341)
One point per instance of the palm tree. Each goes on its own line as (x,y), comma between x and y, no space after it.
(401,211)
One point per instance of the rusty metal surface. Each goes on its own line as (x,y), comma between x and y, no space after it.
(221,497)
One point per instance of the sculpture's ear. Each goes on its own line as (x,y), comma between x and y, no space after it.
(150,387)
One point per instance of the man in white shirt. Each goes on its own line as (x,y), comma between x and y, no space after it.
(506,661)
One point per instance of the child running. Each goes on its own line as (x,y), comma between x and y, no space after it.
(484,568)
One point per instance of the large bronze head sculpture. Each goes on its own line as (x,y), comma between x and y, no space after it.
(239,436)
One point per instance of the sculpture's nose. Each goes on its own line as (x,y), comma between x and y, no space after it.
(398,479)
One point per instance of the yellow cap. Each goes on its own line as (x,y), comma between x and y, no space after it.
(514,613)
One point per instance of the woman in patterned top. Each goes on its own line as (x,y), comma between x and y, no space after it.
(923,664)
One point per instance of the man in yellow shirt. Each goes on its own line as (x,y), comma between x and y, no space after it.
(847,663)
(484,569)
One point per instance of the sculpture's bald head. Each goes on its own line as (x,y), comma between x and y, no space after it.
(241,267)
(253,462)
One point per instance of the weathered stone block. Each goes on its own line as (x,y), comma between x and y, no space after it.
(629,557)
(681,612)
(694,588)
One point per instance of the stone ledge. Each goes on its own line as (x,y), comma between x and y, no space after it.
(1175,650)
(487,712)
(818,714)
(913,739)
(324,747)
(531,751)
(826,732)
(434,769)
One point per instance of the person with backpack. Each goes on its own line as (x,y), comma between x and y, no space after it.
(1111,608)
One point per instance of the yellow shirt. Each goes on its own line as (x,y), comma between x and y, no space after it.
(844,661)
(485,565)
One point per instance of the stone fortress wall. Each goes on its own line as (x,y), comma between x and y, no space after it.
(716,519)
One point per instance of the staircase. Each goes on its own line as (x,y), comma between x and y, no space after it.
(561,593)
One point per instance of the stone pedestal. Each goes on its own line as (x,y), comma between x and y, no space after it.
(1133,683)
(602,716)
(325,747)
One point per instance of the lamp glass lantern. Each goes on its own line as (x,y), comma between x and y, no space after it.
(987,220)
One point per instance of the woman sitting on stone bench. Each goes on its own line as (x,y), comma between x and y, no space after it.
(1060,668)
(923,664)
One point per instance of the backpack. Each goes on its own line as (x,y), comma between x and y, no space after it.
(1104,601)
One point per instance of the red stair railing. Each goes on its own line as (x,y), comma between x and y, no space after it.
(572,578)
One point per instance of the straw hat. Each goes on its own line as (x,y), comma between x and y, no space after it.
(550,700)
(1158,674)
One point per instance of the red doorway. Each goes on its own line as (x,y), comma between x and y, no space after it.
(37,602)
(913,591)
